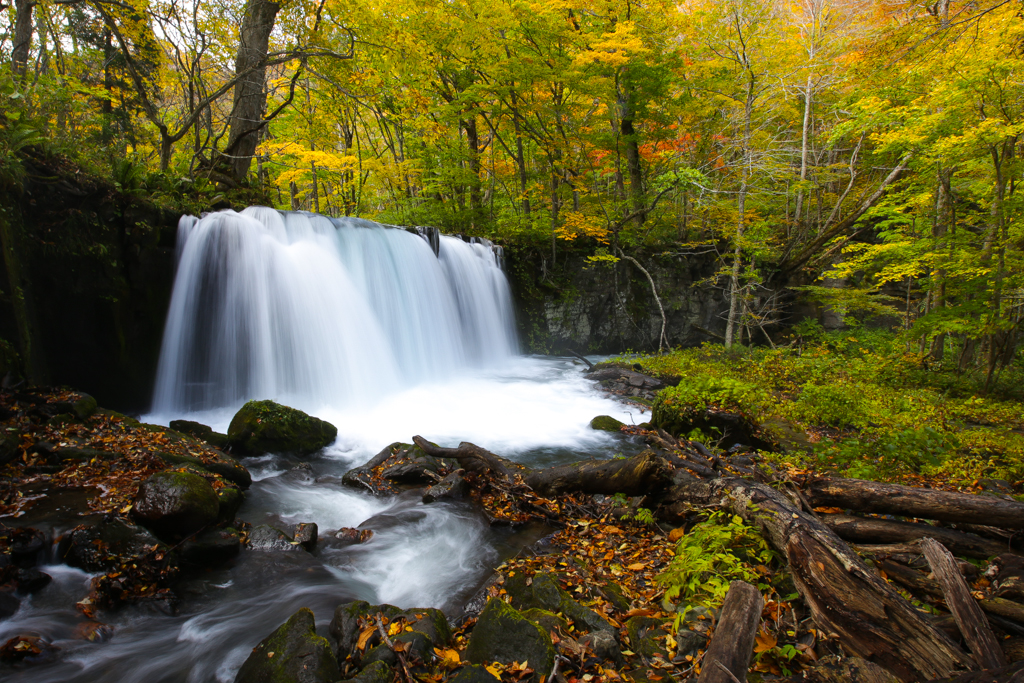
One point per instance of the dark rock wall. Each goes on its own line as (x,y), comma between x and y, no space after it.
(609,308)
(99,267)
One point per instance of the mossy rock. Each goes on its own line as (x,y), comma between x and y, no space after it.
(175,504)
(9,442)
(268,427)
(547,620)
(432,623)
(345,626)
(473,673)
(293,653)
(229,499)
(503,634)
(84,406)
(642,632)
(201,432)
(222,464)
(378,672)
(105,545)
(548,594)
(605,423)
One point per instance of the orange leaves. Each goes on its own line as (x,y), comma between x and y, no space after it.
(448,658)
(764,641)
(365,635)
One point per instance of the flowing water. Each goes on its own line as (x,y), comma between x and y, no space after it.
(374,331)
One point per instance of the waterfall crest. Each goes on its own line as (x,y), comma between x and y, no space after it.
(323,311)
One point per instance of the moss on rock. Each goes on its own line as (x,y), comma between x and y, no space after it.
(605,423)
(503,634)
(269,427)
(175,504)
(293,653)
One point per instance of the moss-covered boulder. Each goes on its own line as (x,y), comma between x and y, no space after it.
(294,653)
(503,634)
(378,672)
(547,620)
(175,504)
(547,594)
(473,673)
(229,499)
(348,622)
(606,423)
(268,427)
(201,432)
(221,464)
(644,635)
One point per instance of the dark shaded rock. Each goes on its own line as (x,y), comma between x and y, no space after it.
(378,672)
(201,432)
(9,603)
(266,538)
(223,465)
(212,547)
(615,596)
(412,473)
(548,594)
(473,673)
(379,653)
(504,635)
(268,427)
(294,653)
(547,620)
(84,406)
(362,478)
(306,535)
(103,546)
(689,642)
(452,487)
(27,648)
(605,423)
(419,644)
(432,623)
(9,442)
(175,504)
(31,580)
(28,547)
(345,537)
(229,499)
(83,454)
(345,626)
(642,632)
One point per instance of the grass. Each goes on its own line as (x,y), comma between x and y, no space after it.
(869,407)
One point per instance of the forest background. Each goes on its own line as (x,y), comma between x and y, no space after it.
(800,144)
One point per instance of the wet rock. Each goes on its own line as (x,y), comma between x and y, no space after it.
(379,653)
(28,547)
(605,423)
(378,672)
(342,538)
(268,427)
(504,635)
(473,673)
(211,547)
(432,623)
(346,625)
(27,648)
(362,478)
(31,580)
(548,594)
(175,504)
(229,499)
(306,535)
(452,487)
(642,632)
(265,538)
(103,546)
(294,653)
(222,465)
(201,432)
(9,603)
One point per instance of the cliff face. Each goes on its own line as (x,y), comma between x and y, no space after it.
(609,308)
(92,275)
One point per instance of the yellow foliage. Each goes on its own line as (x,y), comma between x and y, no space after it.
(577,224)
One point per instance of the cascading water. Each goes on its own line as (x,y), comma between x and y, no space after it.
(384,333)
(322,311)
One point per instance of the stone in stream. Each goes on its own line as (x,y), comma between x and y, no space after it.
(175,504)
(9,602)
(504,635)
(306,535)
(105,545)
(229,499)
(605,423)
(211,547)
(266,538)
(294,653)
(201,432)
(268,427)
(31,580)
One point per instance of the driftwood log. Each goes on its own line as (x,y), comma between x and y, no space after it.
(909,501)
(873,530)
(969,617)
(844,595)
(728,656)
(631,476)
(473,458)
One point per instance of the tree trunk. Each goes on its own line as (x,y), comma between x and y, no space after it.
(634,476)
(874,530)
(844,595)
(22,43)
(798,212)
(473,148)
(908,501)
(636,176)
(741,207)
(728,656)
(250,96)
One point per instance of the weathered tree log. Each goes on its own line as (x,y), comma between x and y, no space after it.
(844,595)
(833,669)
(909,501)
(968,615)
(728,657)
(473,458)
(634,476)
(872,530)
(1013,673)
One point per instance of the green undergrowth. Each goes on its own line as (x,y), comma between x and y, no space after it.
(858,403)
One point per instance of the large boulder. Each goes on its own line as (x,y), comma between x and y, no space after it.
(175,504)
(105,545)
(268,427)
(294,653)
(504,635)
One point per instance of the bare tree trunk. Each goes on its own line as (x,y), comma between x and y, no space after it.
(741,206)
(22,37)
(798,212)
(250,96)
(636,177)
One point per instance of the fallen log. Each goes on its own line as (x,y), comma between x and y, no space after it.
(844,595)
(634,476)
(728,656)
(473,458)
(909,501)
(969,617)
(873,530)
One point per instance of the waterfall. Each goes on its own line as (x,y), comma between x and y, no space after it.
(324,311)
